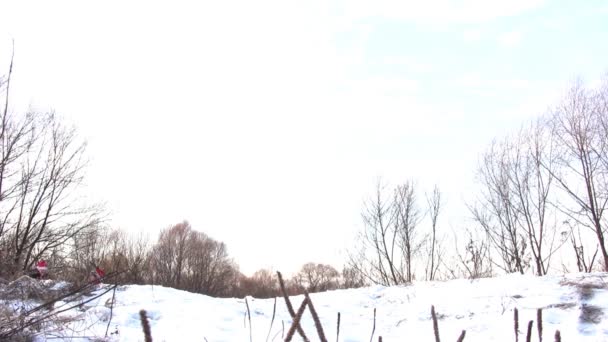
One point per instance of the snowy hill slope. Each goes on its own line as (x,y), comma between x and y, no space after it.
(575,304)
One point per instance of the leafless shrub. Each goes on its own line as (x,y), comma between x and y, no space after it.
(262,284)
(391,239)
(591,314)
(317,277)
(190,260)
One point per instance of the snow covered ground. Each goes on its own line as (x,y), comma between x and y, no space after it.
(576,304)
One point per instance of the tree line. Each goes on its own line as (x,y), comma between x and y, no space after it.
(543,191)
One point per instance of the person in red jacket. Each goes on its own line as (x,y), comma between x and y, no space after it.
(41,270)
(97,275)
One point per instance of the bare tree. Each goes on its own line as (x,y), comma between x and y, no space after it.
(317,277)
(475,261)
(351,278)
(190,260)
(262,284)
(435,253)
(530,169)
(169,253)
(407,218)
(209,270)
(376,259)
(389,240)
(515,211)
(583,170)
(584,263)
(498,212)
(41,169)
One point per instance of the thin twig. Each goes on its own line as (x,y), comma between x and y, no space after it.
(8,85)
(516,324)
(529,334)
(111,308)
(539,324)
(249,318)
(274,310)
(338,328)
(42,318)
(461,337)
(374,327)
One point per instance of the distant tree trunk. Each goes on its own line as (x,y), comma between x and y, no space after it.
(407,217)
(435,206)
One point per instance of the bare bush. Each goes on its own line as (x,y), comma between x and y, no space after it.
(351,278)
(317,277)
(390,240)
(186,259)
(262,284)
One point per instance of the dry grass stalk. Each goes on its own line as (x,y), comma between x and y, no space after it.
(374,327)
(296,321)
(338,328)
(289,306)
(315,318)
(249,318)
(111,308)
(145,325)
(516,324)
(435,324)
(539,324)
(558,336)
(461,337)
(274,310)
(529,333)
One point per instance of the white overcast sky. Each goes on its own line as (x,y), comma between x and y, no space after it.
(267,123)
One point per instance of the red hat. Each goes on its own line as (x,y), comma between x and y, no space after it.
(41,263)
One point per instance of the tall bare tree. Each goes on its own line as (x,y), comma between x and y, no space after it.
(531,178)
(435,205)
(389,240)
(581,136)
(376,259)
(407,217)
(517,176)
(497,211)
(190,260)
(169,253)
(41,169)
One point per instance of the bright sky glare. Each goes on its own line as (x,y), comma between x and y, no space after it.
(267,123)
